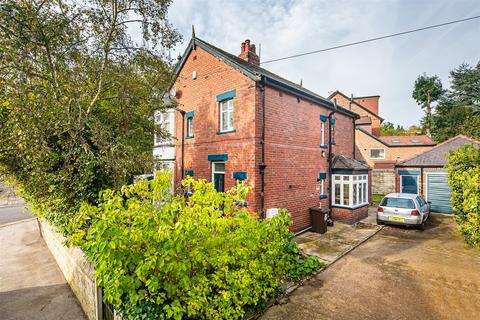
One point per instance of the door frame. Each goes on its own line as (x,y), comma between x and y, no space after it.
(409,175)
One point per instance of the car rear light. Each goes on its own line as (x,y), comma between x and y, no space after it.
(415,213)
(380,209)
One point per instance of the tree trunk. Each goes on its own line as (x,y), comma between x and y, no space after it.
(428,122)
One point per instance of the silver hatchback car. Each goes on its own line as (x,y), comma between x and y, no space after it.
(404,209)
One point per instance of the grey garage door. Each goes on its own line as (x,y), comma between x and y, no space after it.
(438,192)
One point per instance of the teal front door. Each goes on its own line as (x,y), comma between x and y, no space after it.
(409,184)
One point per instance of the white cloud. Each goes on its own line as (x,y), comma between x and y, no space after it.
(387,67)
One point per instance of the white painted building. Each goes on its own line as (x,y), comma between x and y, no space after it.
(164,143)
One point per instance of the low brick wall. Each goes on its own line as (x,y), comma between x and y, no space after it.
(383,181)
(350,216)
(77,271)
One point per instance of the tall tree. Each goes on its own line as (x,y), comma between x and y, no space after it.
(458,111)
(77,95)
(426,91)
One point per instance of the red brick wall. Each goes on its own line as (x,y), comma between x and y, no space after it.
(292,143)
(349,215)
(199,95)
(371,103)
(293,155)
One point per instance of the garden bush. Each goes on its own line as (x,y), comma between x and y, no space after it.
(159,255)
(464,180)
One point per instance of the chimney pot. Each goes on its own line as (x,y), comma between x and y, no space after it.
(248,53)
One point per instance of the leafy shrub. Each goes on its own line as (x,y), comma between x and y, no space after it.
(464,180)
(159,255)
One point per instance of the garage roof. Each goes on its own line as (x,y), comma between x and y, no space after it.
(437,156)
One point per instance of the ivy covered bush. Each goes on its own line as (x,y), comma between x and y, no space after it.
(162,256)
(464,180)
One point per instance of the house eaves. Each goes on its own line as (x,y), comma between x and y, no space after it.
(258,74)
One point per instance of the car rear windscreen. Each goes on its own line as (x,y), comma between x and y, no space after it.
(398,203)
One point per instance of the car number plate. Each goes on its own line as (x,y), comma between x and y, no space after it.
(396,219)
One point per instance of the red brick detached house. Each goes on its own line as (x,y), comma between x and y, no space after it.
(238,121)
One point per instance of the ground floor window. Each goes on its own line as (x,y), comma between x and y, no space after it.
(218,176)
(350,190)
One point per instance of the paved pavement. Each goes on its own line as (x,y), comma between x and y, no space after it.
(31,284)
(399,273)
(10,214)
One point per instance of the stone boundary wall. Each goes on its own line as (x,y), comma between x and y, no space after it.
(77,271)
(383,181)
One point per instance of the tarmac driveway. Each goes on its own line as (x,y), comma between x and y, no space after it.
(398,274)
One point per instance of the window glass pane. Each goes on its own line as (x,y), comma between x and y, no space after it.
(365,198)
(377,153)
(346,178)
(337,178)
(230,120)
(190,127)
(224,121)
(337,193)
(355,196)
(398,203)
(346,194)
(219,167)
(360,194)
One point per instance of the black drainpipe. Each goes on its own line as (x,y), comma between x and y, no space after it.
(330,218)
(262,165)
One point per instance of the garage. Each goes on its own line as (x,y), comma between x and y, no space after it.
(438,192)
(426,173)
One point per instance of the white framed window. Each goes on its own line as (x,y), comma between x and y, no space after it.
(322,186)
(377,153)
(164,127)
(350,190)
(226,115)
(322,127)
(190,127)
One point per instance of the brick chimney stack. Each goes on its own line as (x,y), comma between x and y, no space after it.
(247,53)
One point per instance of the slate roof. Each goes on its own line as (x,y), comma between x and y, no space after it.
(403,141)
(345,163)
(437,156)
(257,73)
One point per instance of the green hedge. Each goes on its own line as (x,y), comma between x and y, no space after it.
(464,180)
(163,256)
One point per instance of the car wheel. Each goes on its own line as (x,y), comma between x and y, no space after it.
(421,227)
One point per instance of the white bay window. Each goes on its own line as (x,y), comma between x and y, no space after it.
(350,190)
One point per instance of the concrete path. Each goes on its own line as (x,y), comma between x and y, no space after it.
(399,273)
(31,284)
(10,214)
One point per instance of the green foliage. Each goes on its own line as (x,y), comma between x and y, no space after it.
(427,90)
(376,198)
(458,110)
(77,97)
(159,255)
(464,180)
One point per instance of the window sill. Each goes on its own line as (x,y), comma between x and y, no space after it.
(323,146)
(225,132)
(189,137)
(323,196)
(350,207)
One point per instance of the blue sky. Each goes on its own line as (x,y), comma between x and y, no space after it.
(387,68)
